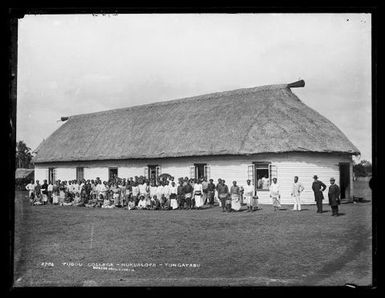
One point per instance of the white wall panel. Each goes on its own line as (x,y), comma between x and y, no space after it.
(65,174)
(92,172)
(41,173)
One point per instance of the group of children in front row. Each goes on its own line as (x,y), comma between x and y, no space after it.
(138,193)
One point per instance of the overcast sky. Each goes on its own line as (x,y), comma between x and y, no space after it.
(74,64)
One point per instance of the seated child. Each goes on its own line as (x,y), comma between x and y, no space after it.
(37,200)
(100,200)
(131,204)
(166,204)
(107,203)
(68,201)
(155,204)
(78,202)
(142,202)
(91,203)
(32,198)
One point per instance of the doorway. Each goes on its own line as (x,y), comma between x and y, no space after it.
(112,173)
(344,179)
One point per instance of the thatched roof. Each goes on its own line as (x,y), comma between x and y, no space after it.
(267,119)
(22,173)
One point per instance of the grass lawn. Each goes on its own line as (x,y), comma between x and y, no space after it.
(258,249)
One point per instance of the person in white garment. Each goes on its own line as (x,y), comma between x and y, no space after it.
(275,195)
(50,191)
(55,193)
(31,189)
(142,202)
(265,182)
(235,193)
(296,191)
(198,194)
(143,189)
(159,194)
(173,196)
(152,190)
(135,193)
(102,190)
(248,193)
(75,187)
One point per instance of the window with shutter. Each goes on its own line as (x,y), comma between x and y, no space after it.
(273,172)
(158,172)
(146,172)
(192,172)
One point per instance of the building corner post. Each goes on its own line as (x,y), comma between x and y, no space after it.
(351,186)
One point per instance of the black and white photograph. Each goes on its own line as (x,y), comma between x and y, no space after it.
(193,149)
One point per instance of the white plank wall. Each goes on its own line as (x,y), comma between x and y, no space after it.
(93,172)
(66,173)
(41,174)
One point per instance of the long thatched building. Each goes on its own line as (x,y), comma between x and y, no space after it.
(254,133)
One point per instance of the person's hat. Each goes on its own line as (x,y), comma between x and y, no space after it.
(315,177)
(332,179)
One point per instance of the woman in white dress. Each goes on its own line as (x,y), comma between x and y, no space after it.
(198,195)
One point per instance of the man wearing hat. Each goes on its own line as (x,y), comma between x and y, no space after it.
(334,196)
(318,187)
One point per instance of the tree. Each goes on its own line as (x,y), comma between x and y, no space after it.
(23,155)
(362,169)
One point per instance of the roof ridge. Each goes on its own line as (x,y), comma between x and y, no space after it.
(205,96)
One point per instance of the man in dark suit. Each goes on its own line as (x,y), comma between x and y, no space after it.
(334,196)
(318,187)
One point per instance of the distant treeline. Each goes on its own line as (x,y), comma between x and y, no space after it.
(362,169)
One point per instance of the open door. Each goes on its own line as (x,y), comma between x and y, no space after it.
(344,180)
(112,173)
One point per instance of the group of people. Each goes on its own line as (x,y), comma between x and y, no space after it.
(318,187)
(137,193)
(166,194)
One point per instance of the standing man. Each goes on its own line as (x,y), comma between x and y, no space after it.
(235,192)
(211,192)
(318,187)
(222,194)
(334,196)
(248,191)
(31,188)
(275,195)
(296,193)
(228,199)
(44,192)
(188,191)
(180,194)
(37,200)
